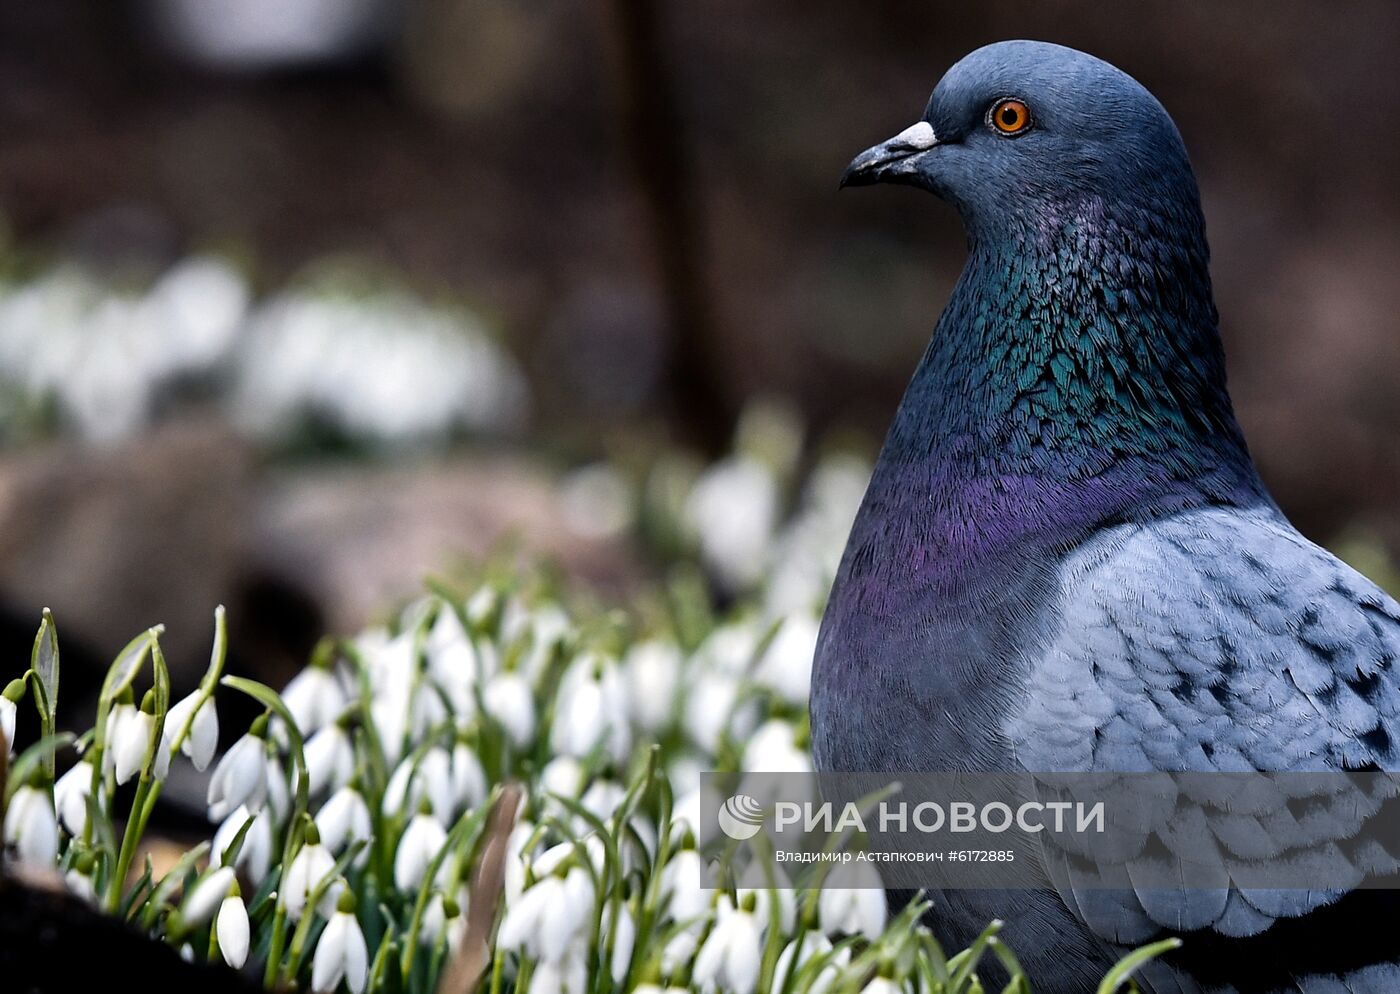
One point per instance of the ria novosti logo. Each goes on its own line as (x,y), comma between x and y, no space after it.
(740,817)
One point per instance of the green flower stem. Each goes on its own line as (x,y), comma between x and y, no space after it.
(274,953)
(135,826)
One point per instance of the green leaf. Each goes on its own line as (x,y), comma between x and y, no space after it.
(1122,970)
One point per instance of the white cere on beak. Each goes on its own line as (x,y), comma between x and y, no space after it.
(918,136)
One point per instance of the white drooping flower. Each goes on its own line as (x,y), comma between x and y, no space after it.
(653,673)
(343,819)
(341,953)
(231,929)
(255,856)
(730,958)
(548,916)
(799,952)
(31,827)
(732,511)
(206,896)
(130,742)
(764,884)
(330,759)
(312,865)
(203,738)
(786,665)
(509,701)
(566,975)
(241,776)
(81,883)
(468,777)
(591,709)
(453,662)
(774,748)
(682,885)
(8,713)
(852,901)
(278,802)
(315,698)
(70,797)
(444,917)
(419,844)
(881,984)
(431,778)
(623,941)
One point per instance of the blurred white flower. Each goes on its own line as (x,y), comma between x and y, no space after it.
(548,916)
(468,778)
(255,856)
(797,954)
(453,662)
(786,665)
(597,503)
(32,828)
(773,748)
(880,984)
(315,699)
(591,709)
(80,883)
(206,896)
(240,778)
(330,759)
(510,702)
(341,953)
(682,886)
(312,864)
(431,778)
(623,941)
(733,509)
(343,819)
(444,916)
(762,884)
(566,975)
(421,841)
(203,738)
(653,674)
(730,958)
(122,713)
(852,901)
(70,796)
(231,929)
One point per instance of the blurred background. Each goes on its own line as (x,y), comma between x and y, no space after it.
(302,300)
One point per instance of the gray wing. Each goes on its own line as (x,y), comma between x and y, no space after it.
(1218,640)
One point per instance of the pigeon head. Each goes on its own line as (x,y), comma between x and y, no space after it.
(1026,133)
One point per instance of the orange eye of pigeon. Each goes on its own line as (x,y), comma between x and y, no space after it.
(1010,117)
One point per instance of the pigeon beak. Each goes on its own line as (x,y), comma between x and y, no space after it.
(882,162)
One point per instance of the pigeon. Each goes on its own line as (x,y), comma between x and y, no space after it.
(1066,559)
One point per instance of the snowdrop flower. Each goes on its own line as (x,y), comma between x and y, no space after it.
(682,882)
(343,819)
(680,951)
(603,798)
(882,984)
(547,917)
(8,712)
(566,975)
(80,879)
(70,796)
(658,989)
(241,776)
(549,626)
(314,698)
(708,707)
(231,928)
(255,856)
(799,952)
(453,662)
(732,510)
(754,882)
(431,778)
(278,802)
(652,671)
(129,745)
(468,778)
(312,864)
(122,712)
(420,843)
(206,896)
(852,902)
(32,828)
(773,749)
(444,917)
(730,957)
(508,700)
(330,759)
(341,953)
(203,738)
(786,665)
(591,709)
(623,943)
(517,859)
